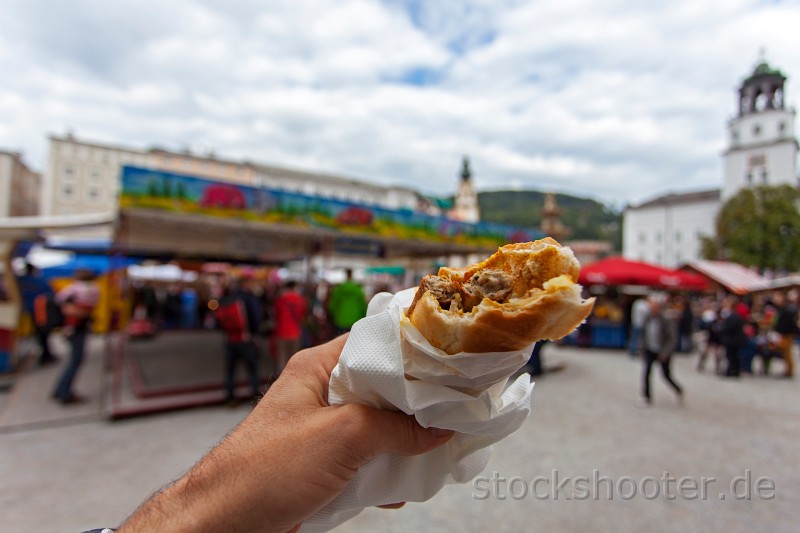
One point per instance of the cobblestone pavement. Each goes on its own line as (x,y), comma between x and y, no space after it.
(586,421)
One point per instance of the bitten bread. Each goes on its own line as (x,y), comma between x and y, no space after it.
(523,293)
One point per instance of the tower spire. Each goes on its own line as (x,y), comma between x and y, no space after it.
(466,173)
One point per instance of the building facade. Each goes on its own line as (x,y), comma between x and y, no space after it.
(668,230)
(762,150)
(19,186)
(83,177)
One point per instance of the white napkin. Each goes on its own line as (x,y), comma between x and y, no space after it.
(387,363)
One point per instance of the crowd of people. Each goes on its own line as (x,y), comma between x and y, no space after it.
(740,335)
(287,316)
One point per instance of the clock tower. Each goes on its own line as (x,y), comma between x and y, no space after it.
(762,149)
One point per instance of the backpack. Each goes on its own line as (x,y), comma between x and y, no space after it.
(47,314)
(231,317)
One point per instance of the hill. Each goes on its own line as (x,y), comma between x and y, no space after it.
(587,218)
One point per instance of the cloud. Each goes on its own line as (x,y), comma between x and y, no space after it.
(615,100)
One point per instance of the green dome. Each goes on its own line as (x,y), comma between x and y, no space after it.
(763,69)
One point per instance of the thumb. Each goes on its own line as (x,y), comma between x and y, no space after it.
(398,433)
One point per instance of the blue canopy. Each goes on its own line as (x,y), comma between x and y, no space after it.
(99,264)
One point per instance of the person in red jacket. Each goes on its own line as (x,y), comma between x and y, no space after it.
(290,313)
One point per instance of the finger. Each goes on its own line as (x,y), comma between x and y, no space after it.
(333,350)
(310,370)
(392,505)
(324,355)
(376,431)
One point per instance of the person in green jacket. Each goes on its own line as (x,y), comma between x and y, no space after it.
(347,304)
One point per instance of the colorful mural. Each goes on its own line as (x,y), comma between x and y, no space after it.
(153,189)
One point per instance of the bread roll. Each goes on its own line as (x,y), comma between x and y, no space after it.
(523,293)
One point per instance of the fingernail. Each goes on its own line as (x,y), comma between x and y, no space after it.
(439,433)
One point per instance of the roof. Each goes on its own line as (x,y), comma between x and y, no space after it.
(733,276)
(763,69)
(711,195)
(786,282)
(620,271)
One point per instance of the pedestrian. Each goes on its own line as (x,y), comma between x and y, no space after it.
(639,313)
(658,343)
(732,335)
(347,304)
(240,327)
(711,323)
(35,290)
(77,302)
(290,314)
(786,326)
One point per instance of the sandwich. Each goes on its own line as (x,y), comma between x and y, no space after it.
(523,293)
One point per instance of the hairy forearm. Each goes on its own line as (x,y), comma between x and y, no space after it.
(205,499)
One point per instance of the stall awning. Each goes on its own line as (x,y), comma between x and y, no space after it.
(621,271)
(732,276)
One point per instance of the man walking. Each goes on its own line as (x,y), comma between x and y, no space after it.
(658,342)
(77,302)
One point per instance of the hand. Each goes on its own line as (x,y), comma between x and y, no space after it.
(290,457)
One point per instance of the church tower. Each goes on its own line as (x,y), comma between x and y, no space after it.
(762,148)
(551,224)
(465,207)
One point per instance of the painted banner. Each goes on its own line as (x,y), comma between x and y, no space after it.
(153,189)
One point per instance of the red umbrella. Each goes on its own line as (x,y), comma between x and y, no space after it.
(620,271)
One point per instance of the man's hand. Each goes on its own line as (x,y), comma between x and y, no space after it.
(290,457)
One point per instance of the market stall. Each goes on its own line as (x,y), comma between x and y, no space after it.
(616,282)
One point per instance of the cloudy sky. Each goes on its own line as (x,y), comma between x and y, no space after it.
(618,100)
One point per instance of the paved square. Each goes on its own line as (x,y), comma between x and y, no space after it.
(83,472)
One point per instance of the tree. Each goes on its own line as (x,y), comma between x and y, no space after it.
(760,227)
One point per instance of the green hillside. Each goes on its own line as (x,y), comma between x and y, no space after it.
(588,219)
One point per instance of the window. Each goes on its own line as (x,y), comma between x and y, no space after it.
(94,194)
(677,236)
(763,175)
(749,177)
(67,192)
(658,239)
(94,174)
(756,130)
(642,238)
(69,172)
(735,136)
(781,128)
